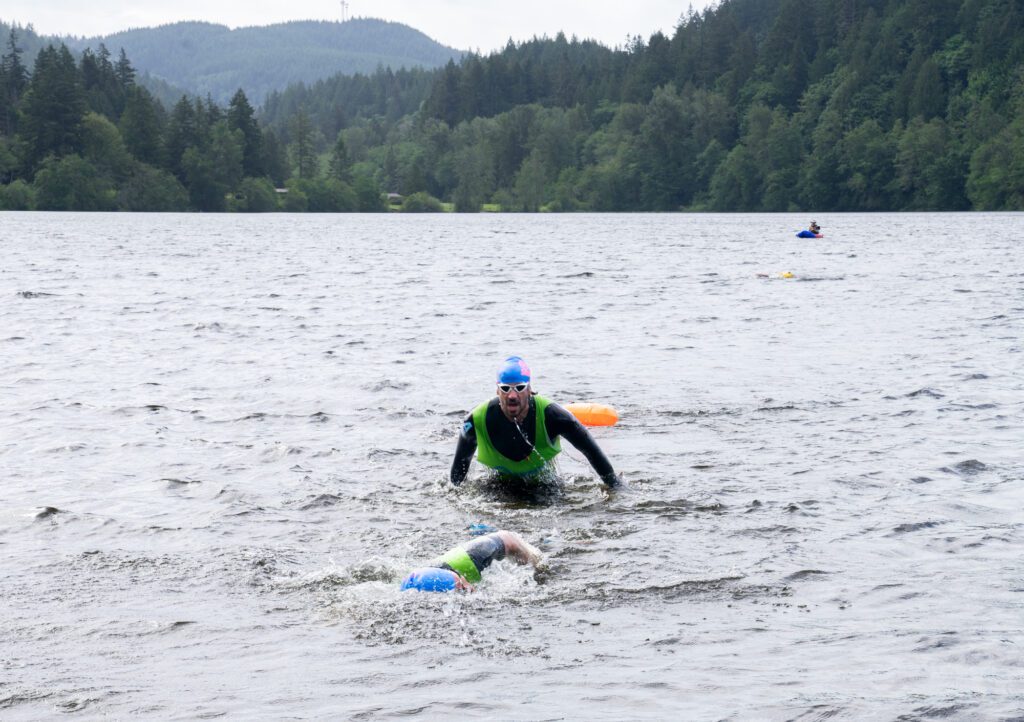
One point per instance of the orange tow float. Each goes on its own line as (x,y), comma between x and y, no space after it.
(594,414)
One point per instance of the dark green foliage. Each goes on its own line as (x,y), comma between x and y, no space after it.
(184,131)
(930,167)
(241,117)
(275,159)
(103,93)
(295,200)
(254,195)
(9,159)
(303,150)
(141,126)
(421,202)
(341,100)
(214,167)
(150,189)
(325,195)
(368,194)
(13,82)
(754,105)
(104,148)
(54,106)
(17,196)
(996,178)
(72,183)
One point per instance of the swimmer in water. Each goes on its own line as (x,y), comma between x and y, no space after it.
(516,432)
(460,568)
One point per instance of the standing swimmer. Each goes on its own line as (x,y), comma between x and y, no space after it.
(460,568)
(516,433)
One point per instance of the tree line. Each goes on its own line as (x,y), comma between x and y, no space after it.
(752,105)
(83,135)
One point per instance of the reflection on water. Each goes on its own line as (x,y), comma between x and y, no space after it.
(226,439)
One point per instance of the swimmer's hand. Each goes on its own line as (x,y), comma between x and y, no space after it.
(611,490)
(533,554)
(612,480)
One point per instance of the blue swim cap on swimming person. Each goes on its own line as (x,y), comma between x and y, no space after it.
(430,579)
(514,371)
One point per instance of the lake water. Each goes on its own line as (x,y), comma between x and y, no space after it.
(225,439)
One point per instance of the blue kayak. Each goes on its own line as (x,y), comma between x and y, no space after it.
(808,234)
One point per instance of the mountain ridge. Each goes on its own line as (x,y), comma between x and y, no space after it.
(212,59)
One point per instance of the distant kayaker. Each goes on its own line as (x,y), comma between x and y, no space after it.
(459,569)
(814,227)
(516,433)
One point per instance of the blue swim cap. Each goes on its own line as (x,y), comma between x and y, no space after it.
(514,371)
(430,580)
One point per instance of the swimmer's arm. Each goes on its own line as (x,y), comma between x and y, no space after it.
(464,451)
(519,549)
(562,423)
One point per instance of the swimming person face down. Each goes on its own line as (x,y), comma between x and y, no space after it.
(460,568)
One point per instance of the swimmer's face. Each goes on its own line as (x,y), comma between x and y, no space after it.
(514,400)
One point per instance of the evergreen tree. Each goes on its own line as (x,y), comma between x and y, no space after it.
(275,159)
(241,117)
(340,165)
(666,150)
(867,160)
(204,191)
(104,94)
(13,82)
(182,134)
(54,106)
(930,167)
(124,72)
(445,102)
(141,127)
(928,97)
(303,153)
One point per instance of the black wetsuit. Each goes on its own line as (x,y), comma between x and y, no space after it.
(482,551)
(516,441)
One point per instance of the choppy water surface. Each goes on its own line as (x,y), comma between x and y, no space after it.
(224,439)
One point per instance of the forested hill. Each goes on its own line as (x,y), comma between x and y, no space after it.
(207,59)
(751,105)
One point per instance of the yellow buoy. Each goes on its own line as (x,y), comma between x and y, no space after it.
(594,414)
(787,274)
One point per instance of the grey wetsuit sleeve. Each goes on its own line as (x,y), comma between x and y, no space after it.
(464,451)
(484,550)
(562,423)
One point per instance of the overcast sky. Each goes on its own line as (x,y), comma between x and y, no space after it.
(464,24)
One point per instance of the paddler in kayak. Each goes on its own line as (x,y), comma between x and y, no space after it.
(460,568)
(814,227)
(517,433)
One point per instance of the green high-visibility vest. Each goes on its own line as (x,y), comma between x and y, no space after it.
(544,450)
(459,561)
